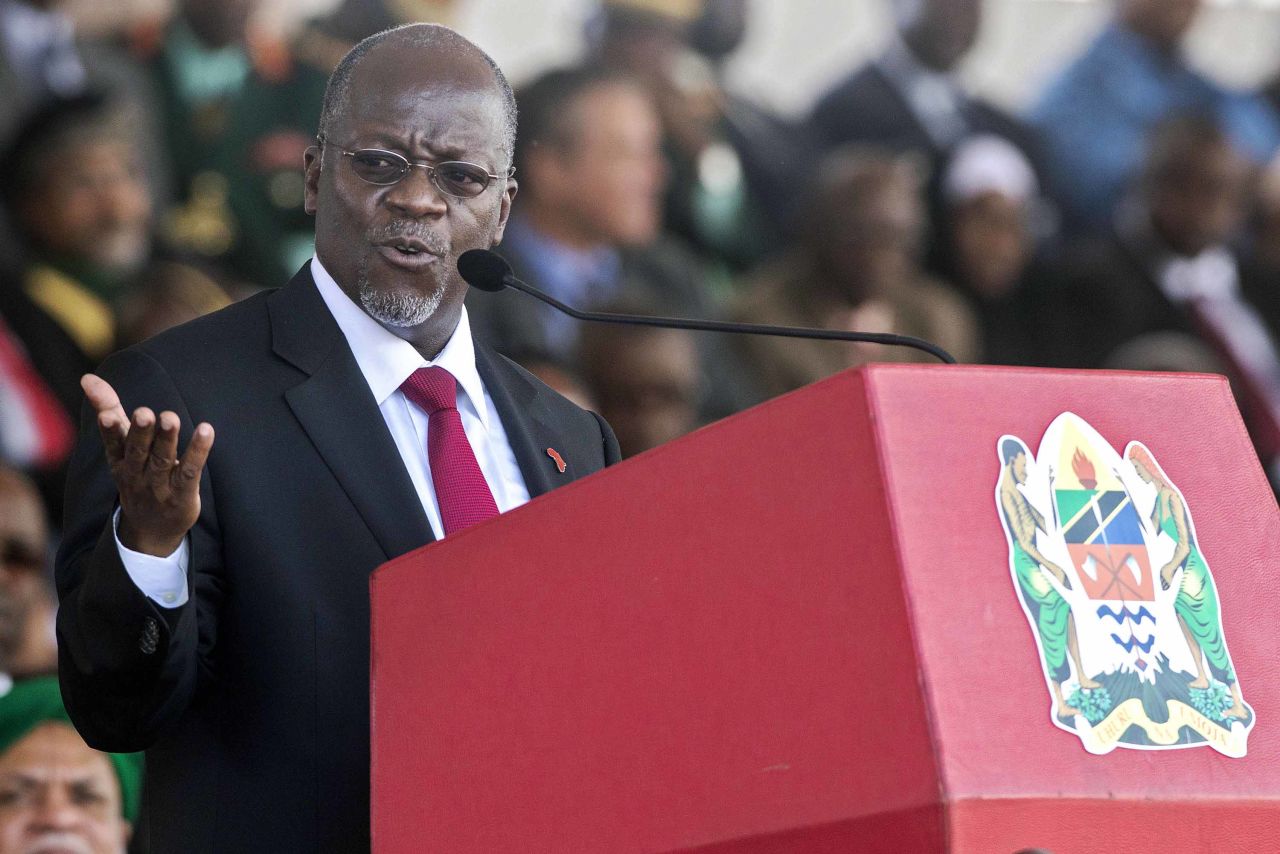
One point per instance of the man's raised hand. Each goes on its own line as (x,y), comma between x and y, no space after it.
(159,492)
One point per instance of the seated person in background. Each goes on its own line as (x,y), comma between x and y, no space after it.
(910,98)
(75,189)
(736,166)
(1096,116)
(986,243)
(27,645)
(588,229)
(1169,265)
(198,62)
(270,122)
(857,267)
(43,57)
(648,379)
(589,225)
(56,792)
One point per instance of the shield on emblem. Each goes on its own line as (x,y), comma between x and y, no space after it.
(1103,534)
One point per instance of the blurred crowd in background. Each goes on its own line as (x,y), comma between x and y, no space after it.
(1128,218)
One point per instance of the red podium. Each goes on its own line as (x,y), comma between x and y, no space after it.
(797,630)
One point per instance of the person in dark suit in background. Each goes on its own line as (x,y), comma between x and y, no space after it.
(909,99)
(1168,254)
(218,618)
(1169,266)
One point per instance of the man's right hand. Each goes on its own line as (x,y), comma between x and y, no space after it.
(159,493)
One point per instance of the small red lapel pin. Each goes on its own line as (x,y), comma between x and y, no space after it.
(555,455)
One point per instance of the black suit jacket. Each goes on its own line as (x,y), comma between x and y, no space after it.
(252,700)
(866,107)
(1106,295)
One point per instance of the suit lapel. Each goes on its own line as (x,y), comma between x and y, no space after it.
(1143,257)
(895,94)
(524,418)
(336,409)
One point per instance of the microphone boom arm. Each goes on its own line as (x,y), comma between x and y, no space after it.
(725,326)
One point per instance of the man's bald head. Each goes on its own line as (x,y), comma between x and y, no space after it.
(427,37)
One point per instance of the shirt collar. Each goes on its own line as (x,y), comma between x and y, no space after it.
(387,360)
(1213,274)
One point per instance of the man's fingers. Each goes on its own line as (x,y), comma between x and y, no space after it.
(187,475)
(137,445)
(102,397)
(114,428)
(164,449)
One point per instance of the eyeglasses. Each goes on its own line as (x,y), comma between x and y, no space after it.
(455,178)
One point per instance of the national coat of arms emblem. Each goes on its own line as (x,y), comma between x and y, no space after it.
(1109,571)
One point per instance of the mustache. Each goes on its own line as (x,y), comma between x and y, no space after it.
(403,228)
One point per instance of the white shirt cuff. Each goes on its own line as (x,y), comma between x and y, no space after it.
(162,579)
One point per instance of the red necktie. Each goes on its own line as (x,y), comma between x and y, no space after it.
(461,490)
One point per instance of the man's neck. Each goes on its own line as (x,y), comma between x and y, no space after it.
(1166,51)
(920,57)
(427,338)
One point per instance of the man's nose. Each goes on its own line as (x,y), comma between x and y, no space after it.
(123,202)
(55,810)
(416,195)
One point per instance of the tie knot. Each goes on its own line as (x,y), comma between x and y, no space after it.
(431,389)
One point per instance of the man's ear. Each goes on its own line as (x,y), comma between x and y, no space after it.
(504,211)
(312,159)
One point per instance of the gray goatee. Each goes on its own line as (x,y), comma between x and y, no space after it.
(399,309)
(405,308)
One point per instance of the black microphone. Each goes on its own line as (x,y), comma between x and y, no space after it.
(489,271)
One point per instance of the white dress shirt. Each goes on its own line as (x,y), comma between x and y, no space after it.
(934,97)
(386,361)
(1210,284)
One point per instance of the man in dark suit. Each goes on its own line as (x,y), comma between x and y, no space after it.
(1167,256)
(216,615)
(909,99)
(1168,274)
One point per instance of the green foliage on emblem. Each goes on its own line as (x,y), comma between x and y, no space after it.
(1093,703)
(1212,702)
